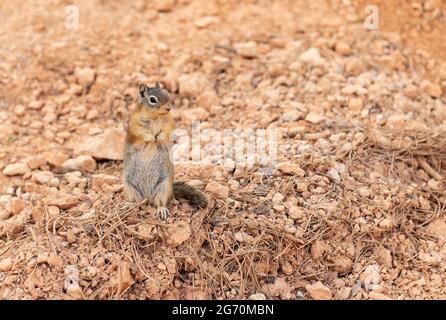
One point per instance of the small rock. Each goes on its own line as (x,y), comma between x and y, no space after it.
(431,258)
(257,296)
(56,158)
(54,260)
(291,168)
(378,296)
(62,201)
(82,163)
(314,117)
(334,175)
(318,291)
(432,89)
(292,115)
(279,288)
(295,212)
(277,198)
(85,76)
(165,5)
(16,169)
(343,293)
(36,105)
(191,85)
(194,114)
(4,214)
(217,190)
(317,249)
(438,227)
(35,162)
(5,264)
(385,257)
(342,264)
(310,56)
(108,145)
(371,275)
(15,206)
(205,21)
(178,233)
(343,48)
(247,50)
(42,177)
(99,180)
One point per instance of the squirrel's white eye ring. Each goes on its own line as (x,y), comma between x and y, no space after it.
(153,100)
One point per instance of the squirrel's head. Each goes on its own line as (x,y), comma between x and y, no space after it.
(154,98)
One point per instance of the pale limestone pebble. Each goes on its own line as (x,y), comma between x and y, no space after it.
(42,177)
(342,264)
(94,131)
(85,76)
(343,293)
(54,260)
(15,169)
(318,249)
(194,114)
(432,89)
(122,278)
(311,56)
(438,227)
(292,115)
(217,190)
(257,296)
(242,236)
(334,175)
(247,49)
(378,296)
(35,162)
(6,264)
(287,268)
(277,198)
(55,158)
(192,85)
(36,213)
(206,21)
(15,206)
(177,233)
(164,6)
(53,211)
(371,275)
(36,105)
(290,168)
(62,201)
(314,117)
(294,212)
(431,258)
(319,291)
(343,48)
(82,163)
(4,214)
(385,257)
(108,145)
(280,288)
(14,224)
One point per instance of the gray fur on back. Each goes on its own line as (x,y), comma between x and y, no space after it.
(145,173)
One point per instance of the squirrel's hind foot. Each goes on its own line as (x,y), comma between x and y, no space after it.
(162,213)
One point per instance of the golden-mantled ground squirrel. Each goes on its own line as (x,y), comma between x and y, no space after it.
(148,169)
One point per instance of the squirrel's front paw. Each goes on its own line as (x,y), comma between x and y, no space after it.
(162,213)
(149,137)
(160,136)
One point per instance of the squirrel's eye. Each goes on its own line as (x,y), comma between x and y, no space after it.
(153,100)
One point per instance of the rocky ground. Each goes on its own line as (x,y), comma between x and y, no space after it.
(355,208)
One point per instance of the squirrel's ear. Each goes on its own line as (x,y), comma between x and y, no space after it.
(157,84)
(141,88)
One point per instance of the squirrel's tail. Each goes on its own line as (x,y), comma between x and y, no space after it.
(191,194)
